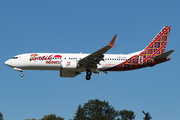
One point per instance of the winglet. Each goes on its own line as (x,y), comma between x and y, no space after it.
(112,41)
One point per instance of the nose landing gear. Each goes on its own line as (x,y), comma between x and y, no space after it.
(88,74)
(20,70)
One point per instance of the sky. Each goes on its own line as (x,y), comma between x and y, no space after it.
(71,26)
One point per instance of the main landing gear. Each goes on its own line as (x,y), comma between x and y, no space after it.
(88,74)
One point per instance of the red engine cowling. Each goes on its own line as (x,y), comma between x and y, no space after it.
(65,64)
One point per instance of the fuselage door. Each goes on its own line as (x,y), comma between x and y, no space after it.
(140,59)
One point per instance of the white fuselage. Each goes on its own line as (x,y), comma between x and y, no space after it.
(49,61)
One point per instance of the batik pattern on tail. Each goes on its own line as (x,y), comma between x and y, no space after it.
(156,47)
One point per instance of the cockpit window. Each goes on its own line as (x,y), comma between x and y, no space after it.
(14,57)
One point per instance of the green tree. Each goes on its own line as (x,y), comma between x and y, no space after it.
(80,114)
(147,116)
(99,110)
(101,117)
(1,116)
(127,115)
(51,117)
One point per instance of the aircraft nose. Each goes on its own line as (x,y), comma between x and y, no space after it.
(8,63)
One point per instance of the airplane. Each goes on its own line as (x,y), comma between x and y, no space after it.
(71,64)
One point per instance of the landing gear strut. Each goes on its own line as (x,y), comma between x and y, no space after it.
(88,74)
(20,70)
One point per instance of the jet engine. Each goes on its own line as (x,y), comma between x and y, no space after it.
(65,64)
(68,73)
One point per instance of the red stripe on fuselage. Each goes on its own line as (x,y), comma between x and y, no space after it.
(124,62)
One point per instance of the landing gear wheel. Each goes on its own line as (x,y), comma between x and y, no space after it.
(21,74)
(88,72)
(88,77)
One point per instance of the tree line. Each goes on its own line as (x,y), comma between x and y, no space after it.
(96,110)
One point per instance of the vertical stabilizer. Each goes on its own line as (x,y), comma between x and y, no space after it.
(158,44)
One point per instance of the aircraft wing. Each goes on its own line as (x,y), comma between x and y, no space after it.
(93,59)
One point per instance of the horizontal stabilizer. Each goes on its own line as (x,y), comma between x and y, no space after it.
(163,55)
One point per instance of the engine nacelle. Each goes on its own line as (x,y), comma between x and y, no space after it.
(66,64)
(68,73)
